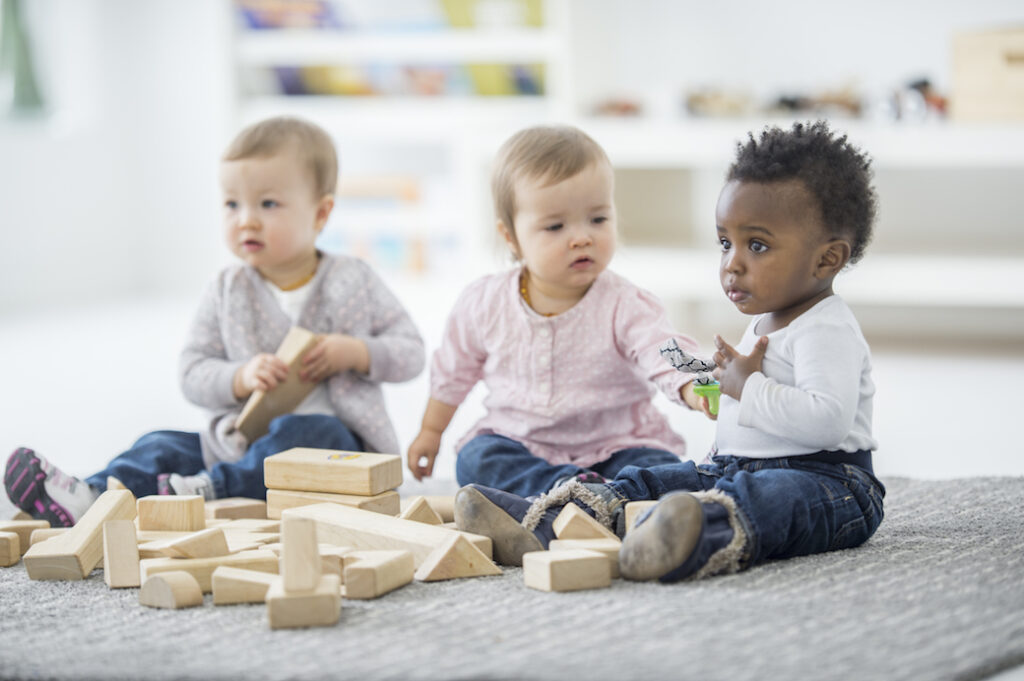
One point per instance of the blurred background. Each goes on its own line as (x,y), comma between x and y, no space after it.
(113,114)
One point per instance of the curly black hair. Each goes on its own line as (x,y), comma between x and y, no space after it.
(836,173)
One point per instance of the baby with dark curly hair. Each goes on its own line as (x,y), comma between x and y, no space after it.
(790,472)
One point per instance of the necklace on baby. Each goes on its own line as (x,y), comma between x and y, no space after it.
(305,280)
(526,295)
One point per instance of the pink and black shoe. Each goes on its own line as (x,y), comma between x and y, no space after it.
(42,490)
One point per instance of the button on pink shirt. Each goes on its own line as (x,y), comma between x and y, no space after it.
(574,388)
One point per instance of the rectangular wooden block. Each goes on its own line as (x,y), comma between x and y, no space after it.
(369,574)
(568,570)
(609,547)
(278,500)
(24,530)
(74,554)
(235,507)
(335,471)
(237,585)
(347,526)
(319,607)
(10,548)
(120,554)
(202,568)
(263,407)
(300,558)
(174,513)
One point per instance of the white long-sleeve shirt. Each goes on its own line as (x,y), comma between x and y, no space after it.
(814,392)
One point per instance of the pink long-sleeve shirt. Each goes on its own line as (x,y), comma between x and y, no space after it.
(574,388)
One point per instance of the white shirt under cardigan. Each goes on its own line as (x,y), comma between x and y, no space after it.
(814,392)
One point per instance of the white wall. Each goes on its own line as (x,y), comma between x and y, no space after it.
(112,191)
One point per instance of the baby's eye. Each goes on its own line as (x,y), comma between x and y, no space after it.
(758,246)
(231,204)
(553,228)
(600,220)
(269,203)
(724,243)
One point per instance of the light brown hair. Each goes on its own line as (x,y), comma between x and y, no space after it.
(311,142)
(549,154)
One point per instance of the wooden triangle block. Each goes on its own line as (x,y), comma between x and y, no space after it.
(456,558)
(421,511)
(575,523)
(203,544)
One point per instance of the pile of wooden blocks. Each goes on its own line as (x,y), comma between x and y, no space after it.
(177,548)
(585,554)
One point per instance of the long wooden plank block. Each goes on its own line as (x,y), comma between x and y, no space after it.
(279,499)
(202,568)
(359,529)
(74,554)
(332,470)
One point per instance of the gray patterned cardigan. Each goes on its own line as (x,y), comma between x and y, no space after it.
(239,317)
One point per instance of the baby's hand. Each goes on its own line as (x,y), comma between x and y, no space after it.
(262,372)
(333,354)
(733,368)
(696,402)
(422,453)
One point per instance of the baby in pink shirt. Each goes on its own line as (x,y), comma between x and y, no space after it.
(567,349)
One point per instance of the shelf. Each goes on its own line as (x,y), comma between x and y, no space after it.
(320,47)
(880,279)
(698,143)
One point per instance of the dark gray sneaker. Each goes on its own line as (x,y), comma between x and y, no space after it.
(499,515)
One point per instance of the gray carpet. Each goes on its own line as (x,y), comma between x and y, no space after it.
(938,593)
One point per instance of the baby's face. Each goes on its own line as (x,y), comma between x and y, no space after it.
(271,214)
(566,231)
(771,237)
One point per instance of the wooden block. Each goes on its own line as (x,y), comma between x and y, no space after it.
(238,585)
(346,526)
(202,544)
(567,570)
(444,506)
(279,499)
(300,559)
(420,511)
(10,548)
(172,589)
(454,559)
(236,507)
(114,483)
(332,559)
(253,525)
(45,533)
(635,509)
(172,512)
(74,554)
(21,515)
(263,407)
(202,568)
(575,523)
(120,554)
(24,530)
(319,607)
(331,470)
(369,574)
(608,547)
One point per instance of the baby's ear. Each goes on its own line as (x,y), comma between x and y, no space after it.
(510,237)
(833,256)
(323,210)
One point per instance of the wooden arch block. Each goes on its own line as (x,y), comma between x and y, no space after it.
(173,589)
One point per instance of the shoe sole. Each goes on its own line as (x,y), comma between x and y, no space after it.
(664,540)
(477,514)
(24,484)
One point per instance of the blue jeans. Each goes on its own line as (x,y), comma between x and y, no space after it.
(788,507)
(169,451)
(500,462)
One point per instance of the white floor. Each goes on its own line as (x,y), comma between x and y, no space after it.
(80,385)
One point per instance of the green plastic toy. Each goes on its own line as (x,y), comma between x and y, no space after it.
(710,391)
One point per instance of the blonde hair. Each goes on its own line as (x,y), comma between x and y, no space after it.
(549,154)
(271,136)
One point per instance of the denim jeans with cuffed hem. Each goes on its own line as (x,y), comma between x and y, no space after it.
(170,451)
(788,507)
(506,464)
